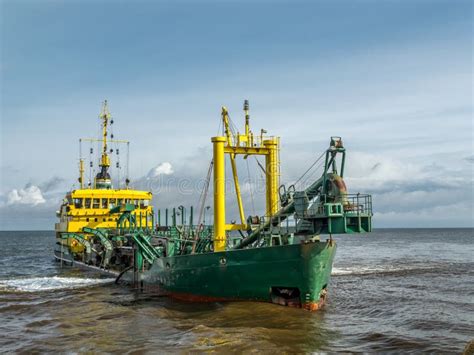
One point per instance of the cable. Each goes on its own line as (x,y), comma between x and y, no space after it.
(128,163)
(312,165)
(310,176)
(250,187)
(219,131)
(203,196)
(232,126)
(261,167)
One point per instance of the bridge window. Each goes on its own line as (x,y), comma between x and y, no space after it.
(96,203)
(112,202)
(104,203)
(78,202)
(87,203)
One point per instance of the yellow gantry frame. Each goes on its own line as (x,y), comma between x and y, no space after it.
(242,144)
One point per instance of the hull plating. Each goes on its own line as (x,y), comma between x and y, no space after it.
(293,275)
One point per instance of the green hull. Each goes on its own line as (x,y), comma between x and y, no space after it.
(293,275)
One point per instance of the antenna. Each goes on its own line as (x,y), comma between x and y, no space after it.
(127,178)
(247,116)
(81,165)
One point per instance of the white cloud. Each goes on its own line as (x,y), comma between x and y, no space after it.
(54,184)
(30,195)
(405,194)
(162,169)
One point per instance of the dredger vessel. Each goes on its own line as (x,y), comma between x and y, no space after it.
(279,257)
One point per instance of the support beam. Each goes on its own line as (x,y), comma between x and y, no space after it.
(246,150)
(235,227)
(272,168)
(219,193)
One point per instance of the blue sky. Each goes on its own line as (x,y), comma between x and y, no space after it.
(394,78)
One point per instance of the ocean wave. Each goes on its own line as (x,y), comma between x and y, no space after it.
(37,284)
(367,270)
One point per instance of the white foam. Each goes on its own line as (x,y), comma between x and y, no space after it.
(357,270)
(35,284)
(367,270)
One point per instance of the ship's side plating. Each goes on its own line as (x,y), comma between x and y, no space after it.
(293,275)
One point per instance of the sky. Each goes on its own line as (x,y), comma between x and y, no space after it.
(393,78)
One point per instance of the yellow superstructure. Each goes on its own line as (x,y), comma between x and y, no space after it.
(91,207)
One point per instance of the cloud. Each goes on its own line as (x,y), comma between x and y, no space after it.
(162,169)
(408,190)
(52,184)
(405,194)
(458,214)
(413,195)
(31,207)
(30,195)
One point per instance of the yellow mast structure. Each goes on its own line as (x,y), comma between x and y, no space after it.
(81,160)
(81,172)
(243,144)
(102,179)
(105,115)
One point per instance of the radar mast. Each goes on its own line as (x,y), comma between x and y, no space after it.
(102,179)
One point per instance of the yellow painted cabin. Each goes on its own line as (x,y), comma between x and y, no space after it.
(91,207)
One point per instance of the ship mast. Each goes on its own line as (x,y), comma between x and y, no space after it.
(102,180)
(104,116)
